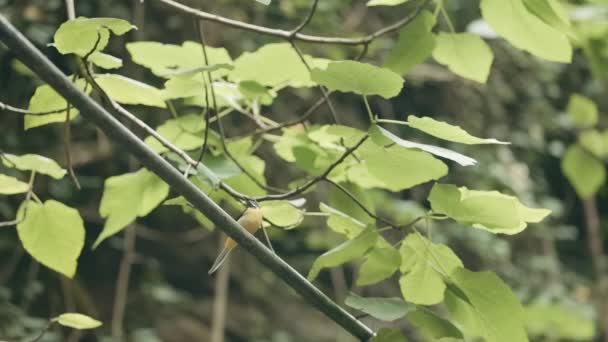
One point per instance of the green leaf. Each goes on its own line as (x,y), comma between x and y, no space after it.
(78,321)
(342,202)
(53,234)
(342,223)
(380,163)
(185,132)
(465,54)
(384,309)
(11,186)
(46,99)
(252,90)
(34,162)
(242,151)
(282,213)
(380,263)
(345,252)
(432,327)
(445,131)
(79,35)
(586,173)
(416,43)
(551,12)
(191,88)
(485,306)
(385,2)
(128,196)
(389,335)
(511,20)
(559,322)
(488,210)
(360,78)
(129,91)
(276,66)
(105,61)
(594,142)
(167,60)
(424,266)
(383,137)
(583,111)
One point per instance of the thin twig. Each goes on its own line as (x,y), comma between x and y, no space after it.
(324,92)
(122,283)
(9,108)
(300,189)
(201,37)
(306,20)
(44,331)
(288,34)
(67,139)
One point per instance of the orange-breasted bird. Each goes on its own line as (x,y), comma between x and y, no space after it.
(251,220)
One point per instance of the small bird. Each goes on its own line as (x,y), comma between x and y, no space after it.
(251,220)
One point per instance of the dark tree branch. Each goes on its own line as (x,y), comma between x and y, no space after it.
(36,61)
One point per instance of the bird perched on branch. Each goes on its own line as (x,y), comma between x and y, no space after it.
(251,220)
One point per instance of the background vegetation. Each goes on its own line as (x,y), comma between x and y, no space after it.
(556,267)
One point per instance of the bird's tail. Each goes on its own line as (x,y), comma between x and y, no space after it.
(220,259)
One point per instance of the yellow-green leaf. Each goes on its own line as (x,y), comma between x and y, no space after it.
(424,267)
(512,20)
(380,263)
(77,321)
(432,327)
(582,111)
(384,309)
(53,234)
(34,162)
(129,91)
(127,197)
(416,43)
(445,131)
(465,54)
(488,210)
(105,61)
(46,99)
(11,186)
(80,35)
(282,213)
(345,252)
(585,172)
(359,78)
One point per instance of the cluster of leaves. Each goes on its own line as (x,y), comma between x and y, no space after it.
(200,78)
(583,162)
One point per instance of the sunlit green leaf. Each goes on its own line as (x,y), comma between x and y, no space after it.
(432,327)
(167,60)
(46,99)
(185,132)
(381,164)
(380,263)
(345,252)
(80,35)
(389,335)
(282,213)
(465,54)
(342,223)
(360,78)
(78,321)
(129,91)
(424,267)
(445,131)
(488,210)
(484,306)
(105,61)
(127,197)
(511,20)
(594,142)
(416,43)
(11,186)
(585,172)
(53,234)
(275,65)
(551,12)
(384,309)
(34,162)
(583,111)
